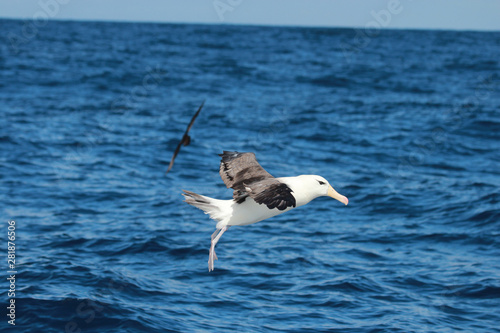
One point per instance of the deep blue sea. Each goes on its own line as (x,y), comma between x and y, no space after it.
(406,124)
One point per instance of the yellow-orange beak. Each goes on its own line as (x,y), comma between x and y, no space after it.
(332,193)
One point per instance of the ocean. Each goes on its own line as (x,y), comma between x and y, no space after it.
(404,123)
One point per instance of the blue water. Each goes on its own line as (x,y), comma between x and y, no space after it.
(406,124)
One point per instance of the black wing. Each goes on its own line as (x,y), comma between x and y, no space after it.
(186,139)
(242,173)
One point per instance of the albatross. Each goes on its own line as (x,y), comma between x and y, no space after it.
(256,195)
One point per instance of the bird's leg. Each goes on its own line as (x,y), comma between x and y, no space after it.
(212,255)
(211,241)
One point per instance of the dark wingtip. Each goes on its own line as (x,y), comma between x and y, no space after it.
(228,152)
(229,155)
(169,167)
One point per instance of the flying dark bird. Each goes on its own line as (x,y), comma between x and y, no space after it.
(257,195)
(186,139)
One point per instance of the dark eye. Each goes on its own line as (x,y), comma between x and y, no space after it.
(320,182)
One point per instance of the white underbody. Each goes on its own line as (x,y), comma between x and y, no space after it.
(229,212)
(249,212)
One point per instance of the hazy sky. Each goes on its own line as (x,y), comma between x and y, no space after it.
(433,14)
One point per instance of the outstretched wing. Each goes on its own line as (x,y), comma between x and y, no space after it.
(186,139)
(236,168)
(242,173)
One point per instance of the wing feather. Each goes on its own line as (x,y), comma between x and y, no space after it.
(242,173)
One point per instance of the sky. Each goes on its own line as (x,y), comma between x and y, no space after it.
(411,14)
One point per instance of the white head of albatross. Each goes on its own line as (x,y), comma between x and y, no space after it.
(256,195)
(308,187)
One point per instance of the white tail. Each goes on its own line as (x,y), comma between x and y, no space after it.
(219,210)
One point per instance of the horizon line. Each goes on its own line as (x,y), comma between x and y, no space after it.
(283,25)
